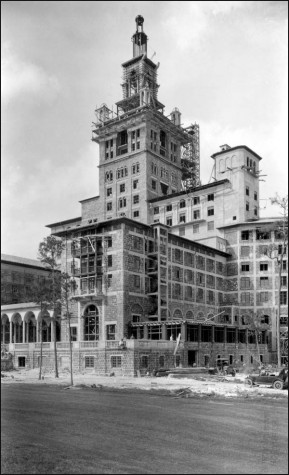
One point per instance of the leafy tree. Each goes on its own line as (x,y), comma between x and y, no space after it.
(49,253)
(276,252)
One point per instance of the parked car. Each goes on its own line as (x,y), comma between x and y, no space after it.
(269,379)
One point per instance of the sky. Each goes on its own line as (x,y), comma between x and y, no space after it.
(224,64)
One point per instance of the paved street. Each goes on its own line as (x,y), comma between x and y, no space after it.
(46,429)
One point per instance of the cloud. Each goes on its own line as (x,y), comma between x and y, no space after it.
(188,22)
(22,78)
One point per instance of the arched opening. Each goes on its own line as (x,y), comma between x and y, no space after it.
(30,327)
(189,315)
(45,330)
(5,329)
(91,323)
(177,314)
(200,316)
(17,328)
(210,317)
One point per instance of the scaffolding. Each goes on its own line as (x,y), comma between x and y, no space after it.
(190,158)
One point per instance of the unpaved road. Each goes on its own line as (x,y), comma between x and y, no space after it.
(46,429)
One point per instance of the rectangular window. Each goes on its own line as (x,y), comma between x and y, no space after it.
(156,210)
(284,280)
(110,332)
(255,211)
(154,185)
(262,235)
(115,361)
(245,283)
(136,214)
(109,260)
(122,188)
(109,206)
(245,298)
(210,211)
(245,267)
(135,184)
(136,199)
(109,280)
(108,191)
(263,297)
(264,282)
(283,297)
(197,214)
(89,361)
(196,228)
(284,265)
(73,333)
(169,208)
(182,218)
(263,266)
(255,196)
(196,200)
(169,221)
(211,197)
(247,191)
(247,206)
(210,225)
(245,235)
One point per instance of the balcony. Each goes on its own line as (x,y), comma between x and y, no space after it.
(89,292)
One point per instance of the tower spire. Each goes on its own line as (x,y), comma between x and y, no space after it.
(139,39)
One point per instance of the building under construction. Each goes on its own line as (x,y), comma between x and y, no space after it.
(167,271)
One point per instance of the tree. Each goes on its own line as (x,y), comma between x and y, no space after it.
(41,294)
(255,327)
(277,252)
(49,253)
(67,287)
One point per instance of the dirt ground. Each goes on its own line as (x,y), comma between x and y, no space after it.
(198,384)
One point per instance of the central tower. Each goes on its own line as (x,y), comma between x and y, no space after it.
(139,147)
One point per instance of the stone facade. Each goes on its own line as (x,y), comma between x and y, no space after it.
(152,262)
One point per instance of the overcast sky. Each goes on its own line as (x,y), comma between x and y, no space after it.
(223,64)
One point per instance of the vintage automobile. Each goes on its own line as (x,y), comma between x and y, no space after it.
(269,379)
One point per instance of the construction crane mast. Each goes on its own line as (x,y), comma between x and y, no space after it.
(190,158)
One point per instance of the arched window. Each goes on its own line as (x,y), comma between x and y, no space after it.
(200,316)
(178,314)
(189,315)
(5,329)
(91,323)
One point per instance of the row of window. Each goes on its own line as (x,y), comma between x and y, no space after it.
(248,267)
(122,172)
(264,282)
(261,236)
(196,213)
(122,202)
(115,361)
(247,298)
